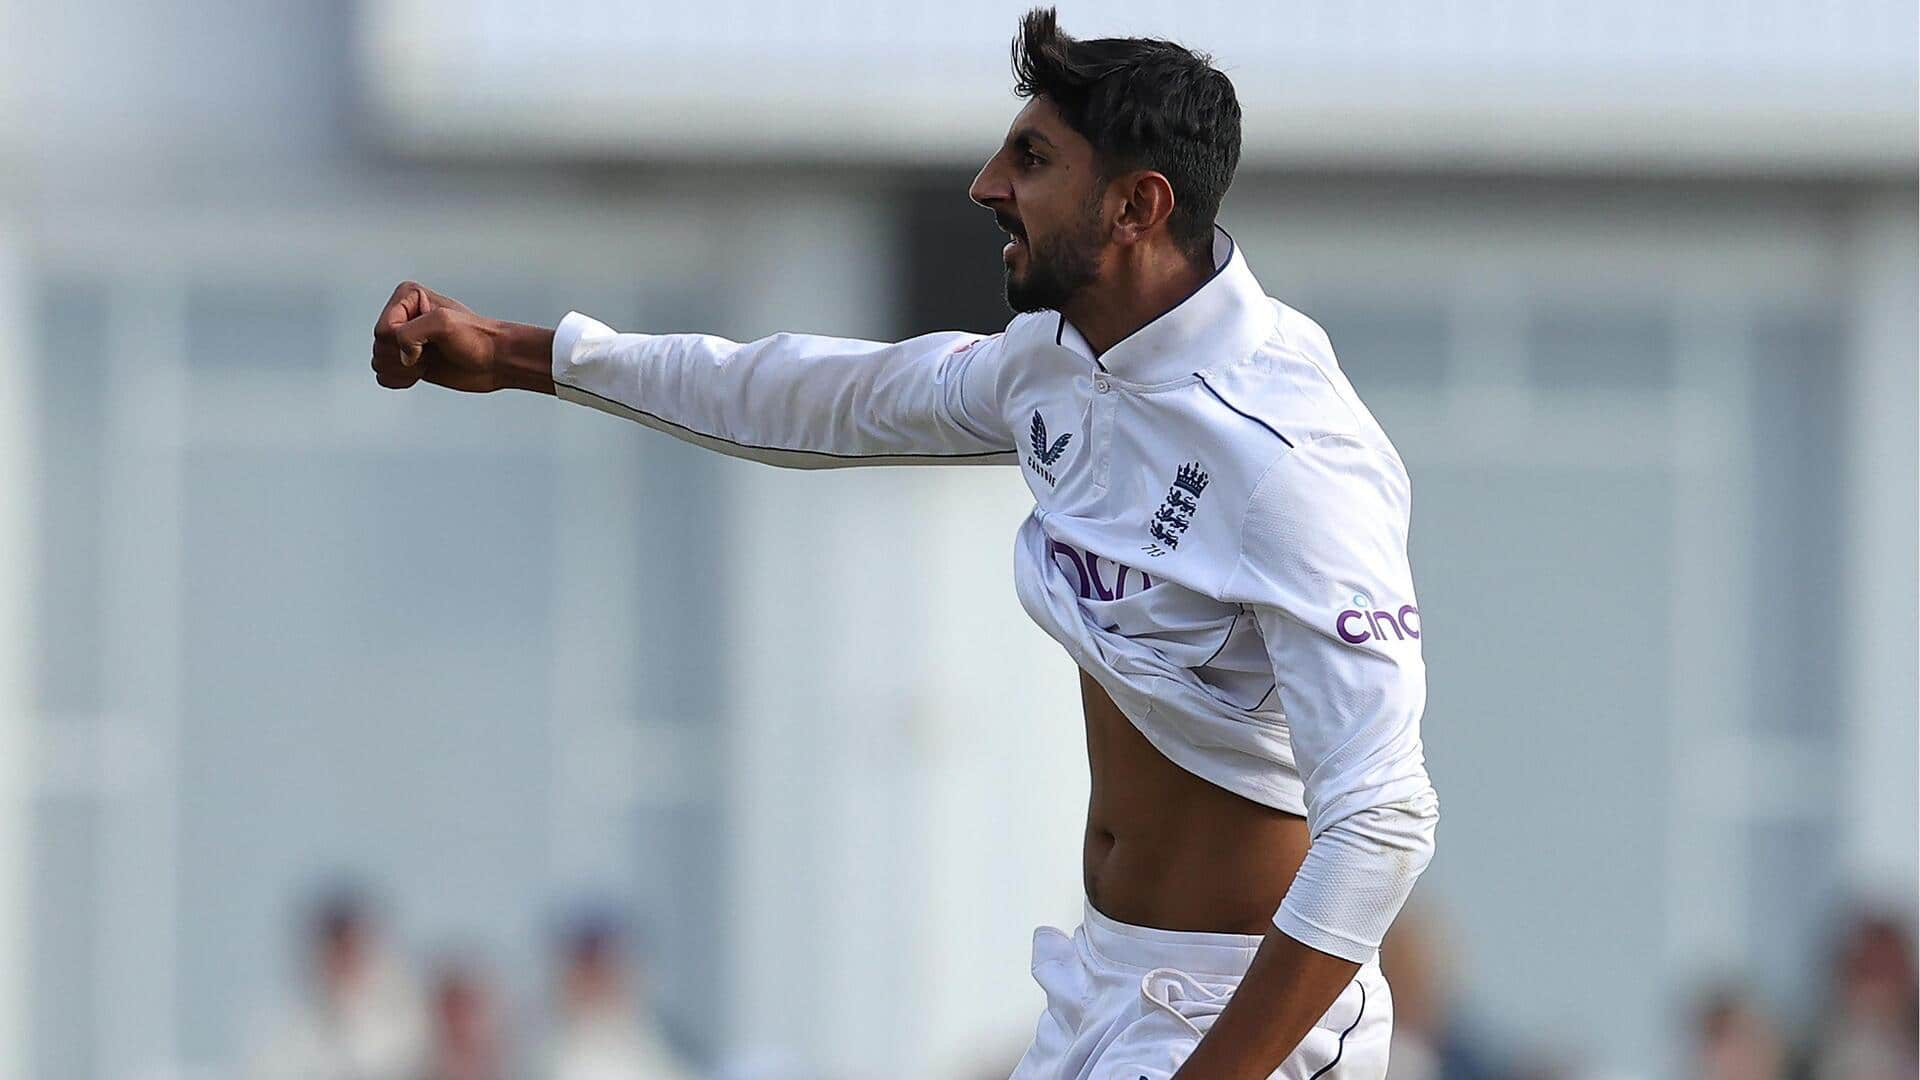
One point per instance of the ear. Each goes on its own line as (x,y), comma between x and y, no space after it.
(1148,203)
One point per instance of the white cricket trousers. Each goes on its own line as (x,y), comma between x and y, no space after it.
(1130,1003)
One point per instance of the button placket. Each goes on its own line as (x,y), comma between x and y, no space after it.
(1103,429)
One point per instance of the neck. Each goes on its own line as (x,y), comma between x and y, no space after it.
(1139,289)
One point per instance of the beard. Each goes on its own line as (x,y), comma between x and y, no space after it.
(1056,272)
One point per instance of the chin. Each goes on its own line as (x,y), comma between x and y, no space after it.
(1022,301)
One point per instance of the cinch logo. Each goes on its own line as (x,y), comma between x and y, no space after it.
(1361,623)
(1085,568)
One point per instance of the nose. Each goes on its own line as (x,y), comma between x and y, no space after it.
(990,186)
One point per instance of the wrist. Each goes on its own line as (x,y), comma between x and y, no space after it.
(524,356)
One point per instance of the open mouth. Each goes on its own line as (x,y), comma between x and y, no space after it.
(1017,235)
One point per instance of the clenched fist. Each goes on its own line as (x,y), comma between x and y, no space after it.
(424,335)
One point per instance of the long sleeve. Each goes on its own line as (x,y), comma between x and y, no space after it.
(797,400)
(1323,568)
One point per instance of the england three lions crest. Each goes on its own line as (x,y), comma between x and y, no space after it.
(1176,511)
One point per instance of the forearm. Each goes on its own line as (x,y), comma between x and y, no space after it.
(525,354)
(1325,929)
(1288,988)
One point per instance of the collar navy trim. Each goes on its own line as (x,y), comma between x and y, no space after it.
(1217,271)
(1060,330)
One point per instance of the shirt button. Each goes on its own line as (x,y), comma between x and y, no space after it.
(1100,385)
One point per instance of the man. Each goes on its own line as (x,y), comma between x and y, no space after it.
(469,1040)
(361,1017)
(605,1029)
(1218,540)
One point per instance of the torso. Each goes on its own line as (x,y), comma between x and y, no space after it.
(1143,463)
(1169,850)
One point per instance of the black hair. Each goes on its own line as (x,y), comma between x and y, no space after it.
(1142,103)
(338,910)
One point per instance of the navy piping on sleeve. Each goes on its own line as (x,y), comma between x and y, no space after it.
(779,449)
(1230,405)
(1342,1048)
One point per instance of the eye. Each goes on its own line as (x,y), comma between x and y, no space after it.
(1031,160)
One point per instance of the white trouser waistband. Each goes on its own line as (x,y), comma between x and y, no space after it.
(1143,948)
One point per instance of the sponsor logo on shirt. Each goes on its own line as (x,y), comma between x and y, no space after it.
(1363,622)
(1095,577)
(1045,454)
(1170,522)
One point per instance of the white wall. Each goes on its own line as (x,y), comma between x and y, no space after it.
(18,494)
(17,447)
(1876,619)
(1634,86)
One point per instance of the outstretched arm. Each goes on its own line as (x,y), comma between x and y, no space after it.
(797,400)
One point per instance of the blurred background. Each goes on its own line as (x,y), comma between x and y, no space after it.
(353,733)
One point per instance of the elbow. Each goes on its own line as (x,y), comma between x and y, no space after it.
(1358,873)
(1408,828)
(1427,813)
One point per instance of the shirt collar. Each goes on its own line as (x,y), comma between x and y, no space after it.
(1222,322)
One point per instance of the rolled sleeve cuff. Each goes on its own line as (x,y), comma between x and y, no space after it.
(567,338)
(1322,939)
(1357,876)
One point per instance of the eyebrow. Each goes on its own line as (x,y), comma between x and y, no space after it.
(1026,136)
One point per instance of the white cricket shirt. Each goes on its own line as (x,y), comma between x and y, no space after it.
(1219,535)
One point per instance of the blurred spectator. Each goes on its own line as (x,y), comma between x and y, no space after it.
(468,1043)
(605,1030)
(1430,1042)
(360,1017)
(1734,1039)
(1871,1026)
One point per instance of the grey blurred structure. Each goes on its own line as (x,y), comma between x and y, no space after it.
(1633,287)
